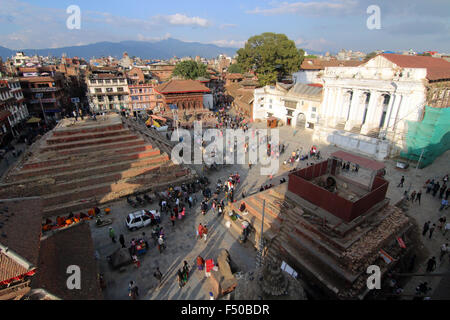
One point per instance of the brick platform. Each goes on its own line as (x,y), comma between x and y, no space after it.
(88,163)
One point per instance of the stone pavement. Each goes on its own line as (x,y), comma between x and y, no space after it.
(182,245)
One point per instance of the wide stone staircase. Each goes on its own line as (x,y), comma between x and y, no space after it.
(78,166)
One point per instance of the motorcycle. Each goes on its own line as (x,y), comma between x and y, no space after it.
(131,202)
(139,200)
(148,199)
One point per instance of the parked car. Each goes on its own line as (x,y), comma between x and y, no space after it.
(139,219)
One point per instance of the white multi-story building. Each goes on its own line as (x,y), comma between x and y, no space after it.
(366,108)
(108,92)
(12,105)
(296,105)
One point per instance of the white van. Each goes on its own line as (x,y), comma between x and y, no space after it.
(139,219)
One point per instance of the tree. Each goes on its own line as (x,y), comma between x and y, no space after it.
(370,56)
(272,56)
(235,68)
(190,70)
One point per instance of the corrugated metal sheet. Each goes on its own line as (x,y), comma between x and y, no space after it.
(301,89)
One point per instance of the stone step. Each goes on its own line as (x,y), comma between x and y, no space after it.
(76,166)
(93,142)
(87,129)
(296,241)
(84,204)
(86,136)
(95,149)
(122,187)
(94,170)
(319,242)
(311,229)
(56,161)
(42,188)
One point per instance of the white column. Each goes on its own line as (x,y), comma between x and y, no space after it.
(353,110)
(338,108)
(373,109)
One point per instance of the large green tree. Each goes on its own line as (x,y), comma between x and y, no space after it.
(235,68)
(272,56)
(190,70)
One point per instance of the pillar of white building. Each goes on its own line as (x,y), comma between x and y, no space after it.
(374,112)
(337,107)
(354,108)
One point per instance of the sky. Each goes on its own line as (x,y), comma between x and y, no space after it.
(319,25)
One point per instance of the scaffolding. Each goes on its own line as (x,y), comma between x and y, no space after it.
(428,139)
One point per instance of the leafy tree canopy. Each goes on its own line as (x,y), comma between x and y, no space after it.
(190,70)
(235,68)
(370,56)
(272,56)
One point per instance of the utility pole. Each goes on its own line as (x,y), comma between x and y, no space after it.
(420,159)
(259,255)
(39,96)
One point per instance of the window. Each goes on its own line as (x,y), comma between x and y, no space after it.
(98,90)
(114,81)
(270,107)
(120,89)
(109,90)
(108,81)
(313,109)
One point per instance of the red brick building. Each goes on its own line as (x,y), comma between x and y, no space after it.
(187,95)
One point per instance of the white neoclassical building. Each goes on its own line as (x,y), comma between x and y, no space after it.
(366,108)
(296,105)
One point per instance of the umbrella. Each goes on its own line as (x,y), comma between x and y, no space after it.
(34,120)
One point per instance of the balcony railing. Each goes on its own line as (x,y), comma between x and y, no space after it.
(50,100)
(49,89)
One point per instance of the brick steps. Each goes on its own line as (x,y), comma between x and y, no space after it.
(86,136)
(92,142)
(76,166)
(95,170)
(63,208)
(97,128)
(100,190)
(94,149)
(82,158)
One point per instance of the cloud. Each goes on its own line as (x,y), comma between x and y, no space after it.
(179,19)
(142,37)
(229,43)
(315,8)
(319,44)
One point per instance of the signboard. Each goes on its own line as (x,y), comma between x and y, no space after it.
(75,100)
(39,95)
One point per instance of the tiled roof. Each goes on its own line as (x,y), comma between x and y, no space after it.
(361,161)
(37,79)
(19,218)
(180,86)
(73,246)
(234,76)
(319,64)
(301,89)
(437,68)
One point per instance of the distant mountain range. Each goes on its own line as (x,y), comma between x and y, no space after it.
(164,49)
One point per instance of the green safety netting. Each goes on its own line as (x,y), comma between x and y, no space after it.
(429,138)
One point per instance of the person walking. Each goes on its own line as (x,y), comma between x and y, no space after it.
(161,244)
(205,233)
(172,219)
(418,196)
(426,227)
(402,180)
(200,263)
(444,250)
(133,290)
(433,227)
(413,196)
(122,241)
(200,231)
(158,275)
(431,264)
(446,228)
(180,278)
(112,234)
